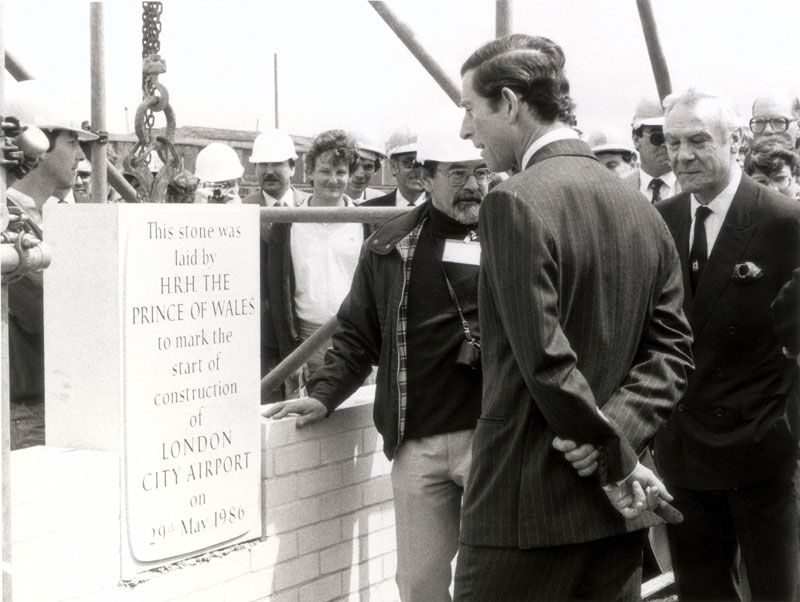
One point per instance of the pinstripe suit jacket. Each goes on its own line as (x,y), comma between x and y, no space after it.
(580,305)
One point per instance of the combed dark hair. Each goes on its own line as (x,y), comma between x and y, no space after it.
(531,66)
(769,157)
(344,149)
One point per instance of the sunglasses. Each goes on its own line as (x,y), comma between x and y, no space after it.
(656,137)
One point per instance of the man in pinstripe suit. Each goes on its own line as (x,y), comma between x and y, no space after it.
(584,338)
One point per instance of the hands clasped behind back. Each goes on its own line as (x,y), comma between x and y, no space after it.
(308,410)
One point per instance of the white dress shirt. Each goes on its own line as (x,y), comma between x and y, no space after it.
(719,209)
(401,201)
(670,187)
(287,198)
(564,133)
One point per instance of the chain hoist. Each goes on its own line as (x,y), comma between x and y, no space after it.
(155,99)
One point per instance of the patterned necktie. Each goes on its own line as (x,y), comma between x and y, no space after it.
(656,184)
(699,252)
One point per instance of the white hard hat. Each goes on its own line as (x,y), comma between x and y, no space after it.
(609,140)
(650,112)
(273,146)
(84,166)
(439,139)
(403,140)
(218,162)
(368,143)
(38,103)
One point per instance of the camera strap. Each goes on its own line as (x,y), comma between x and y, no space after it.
(464,324)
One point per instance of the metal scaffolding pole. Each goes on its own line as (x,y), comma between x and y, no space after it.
(503,18)
(657,61)
(99,157)
(406,36)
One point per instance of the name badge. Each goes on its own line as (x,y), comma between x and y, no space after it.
(458,251)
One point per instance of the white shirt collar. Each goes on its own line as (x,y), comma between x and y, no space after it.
(720,204)
(402,201)
(287,198)
(668,179)
(562,133)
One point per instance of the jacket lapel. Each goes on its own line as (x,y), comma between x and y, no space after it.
(679,221)
(735,235)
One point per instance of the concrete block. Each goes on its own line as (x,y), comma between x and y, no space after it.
(267,463)
(280,490)
(389,565)
(223,567)
(248,587)
(323,589)
(341,501)
(366,467)
(297,456)
(318,536)
(363,575)
(344,446)
(289,595)
(273,550)
(372,441)
(378,543)
(338,557)
(172,583)
(291,516)
(363,522)
(319,480)
(378,490)
(214,593)
(296,571)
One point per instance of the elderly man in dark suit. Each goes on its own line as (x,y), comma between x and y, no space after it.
(584,338)
(728,453)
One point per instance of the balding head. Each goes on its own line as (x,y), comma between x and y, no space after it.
(771,112)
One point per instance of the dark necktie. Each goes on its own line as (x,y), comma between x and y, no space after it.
(656,184)
(411,204)
(699,253)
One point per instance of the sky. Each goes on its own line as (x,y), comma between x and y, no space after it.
(340,65)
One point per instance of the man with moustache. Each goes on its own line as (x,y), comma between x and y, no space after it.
(775,117)
(274,156)
(583,338)
(401,148)
(654,178)
(37,103)
(412,311)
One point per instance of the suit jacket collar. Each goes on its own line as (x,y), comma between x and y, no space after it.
(564,147)
(737,230)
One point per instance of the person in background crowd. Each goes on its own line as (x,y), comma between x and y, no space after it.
(82,189)
(728,454)
(775,166)
(417,282)
(574,268)
(746,138)
(654,178)
(36,103)
(219,170)
(274,156)
(401,149)
(613,150)
(310,265)
(370,154)
(775,115)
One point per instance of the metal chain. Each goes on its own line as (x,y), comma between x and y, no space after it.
(151,28)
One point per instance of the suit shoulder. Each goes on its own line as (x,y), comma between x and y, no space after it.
(672,204)
(385,200)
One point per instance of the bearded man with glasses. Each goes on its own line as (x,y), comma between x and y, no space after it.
(654,178)
(775,116)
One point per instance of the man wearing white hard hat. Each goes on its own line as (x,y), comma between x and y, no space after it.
(274,156)
(36,103)
(422,333)
(219,170)
(370,154)
(82,188)
(654,178)
(613,150)
(401,148)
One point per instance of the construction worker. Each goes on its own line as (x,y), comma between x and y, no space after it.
(408,318)
(370,154)
(401,148)
(613,149)
(36,103)
(219,170)
(274,156)
(654,178)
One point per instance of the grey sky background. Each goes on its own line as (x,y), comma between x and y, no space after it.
(341,66)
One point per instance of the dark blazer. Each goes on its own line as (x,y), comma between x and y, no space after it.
(387,200)
(580,306)
(733,425)
(786,314)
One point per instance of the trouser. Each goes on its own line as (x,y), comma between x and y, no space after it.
(758,521)
(604,569)
(317,359)
(428,478)
(27,424)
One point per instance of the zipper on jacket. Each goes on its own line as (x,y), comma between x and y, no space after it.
(397,352)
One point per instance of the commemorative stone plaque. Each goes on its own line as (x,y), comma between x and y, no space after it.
(173,381)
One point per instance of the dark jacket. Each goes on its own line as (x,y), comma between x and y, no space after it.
(371,328)
(734,424)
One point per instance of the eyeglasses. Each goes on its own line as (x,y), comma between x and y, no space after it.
(777,124)
(408,162)
(459,177)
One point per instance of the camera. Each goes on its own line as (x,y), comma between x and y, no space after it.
(216,196)
(469,355)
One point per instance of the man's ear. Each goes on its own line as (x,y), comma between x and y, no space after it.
(510,103)
(427,181)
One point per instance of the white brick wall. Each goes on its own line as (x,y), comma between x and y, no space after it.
(328,524)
